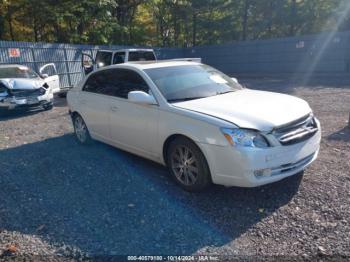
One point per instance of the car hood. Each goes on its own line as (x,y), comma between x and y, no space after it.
(253,109)
(22,83)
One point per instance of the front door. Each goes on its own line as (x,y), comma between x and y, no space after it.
(87,63)
(51,78)
(133,127)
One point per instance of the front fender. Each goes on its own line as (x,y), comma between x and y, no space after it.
(199,131)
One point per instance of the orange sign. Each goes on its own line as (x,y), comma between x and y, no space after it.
(14,52)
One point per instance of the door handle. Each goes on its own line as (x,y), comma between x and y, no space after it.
(83,102)
(114,108)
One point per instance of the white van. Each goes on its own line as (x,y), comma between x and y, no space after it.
(112,57)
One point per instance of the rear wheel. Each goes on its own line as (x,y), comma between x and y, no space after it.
(188,165)
(81,131)
(62,95)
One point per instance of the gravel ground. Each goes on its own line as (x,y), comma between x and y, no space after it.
(61,199)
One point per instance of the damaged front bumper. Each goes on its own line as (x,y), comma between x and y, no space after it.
(24,93)
(10,103)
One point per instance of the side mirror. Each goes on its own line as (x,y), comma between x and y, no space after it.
(44,76)
(141,97)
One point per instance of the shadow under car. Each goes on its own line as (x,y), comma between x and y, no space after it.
(106,201)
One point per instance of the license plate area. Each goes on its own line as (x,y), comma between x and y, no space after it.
(32,100)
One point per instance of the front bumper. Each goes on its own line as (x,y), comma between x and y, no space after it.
(246,167)
(10,103)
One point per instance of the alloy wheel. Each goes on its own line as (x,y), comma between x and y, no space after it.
(184,165)
(80,129)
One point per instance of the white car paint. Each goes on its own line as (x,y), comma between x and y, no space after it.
(53,79)
(241,108)
(143,129)
(23,84)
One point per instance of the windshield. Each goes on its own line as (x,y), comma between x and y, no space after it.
(17,72)
(141,56)
(179,83)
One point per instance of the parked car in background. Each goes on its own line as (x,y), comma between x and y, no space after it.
(112,57)
(198,121)
(21,87)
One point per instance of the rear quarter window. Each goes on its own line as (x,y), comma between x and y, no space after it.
(141,56)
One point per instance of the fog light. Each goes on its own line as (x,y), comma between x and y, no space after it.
(262,172)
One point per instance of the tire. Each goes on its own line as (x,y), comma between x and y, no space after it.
(48,106)
(81,131)
(188,165)
(62,95)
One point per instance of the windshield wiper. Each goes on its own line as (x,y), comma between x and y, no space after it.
(185,99)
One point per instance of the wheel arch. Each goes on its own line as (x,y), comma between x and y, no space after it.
(167,142)
(178,135)
(174,136)
(74,114)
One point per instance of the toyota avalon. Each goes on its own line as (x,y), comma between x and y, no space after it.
(197,121)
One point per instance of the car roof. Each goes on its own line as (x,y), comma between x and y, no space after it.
(155,64)
(127,49)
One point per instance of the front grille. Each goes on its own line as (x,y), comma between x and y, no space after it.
(25,93)
(297,131)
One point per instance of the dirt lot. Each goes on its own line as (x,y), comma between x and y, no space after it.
(60,198)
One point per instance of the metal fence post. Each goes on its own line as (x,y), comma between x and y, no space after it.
(67,67)
(34,60)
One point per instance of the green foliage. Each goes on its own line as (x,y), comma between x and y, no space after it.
(167,22)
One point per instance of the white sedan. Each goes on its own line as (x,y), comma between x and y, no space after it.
(196,120)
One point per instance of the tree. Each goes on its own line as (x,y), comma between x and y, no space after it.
(167,22)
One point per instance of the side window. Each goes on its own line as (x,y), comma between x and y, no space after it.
(115,82)
(141,56)
(103,59)
(96,83)
(120,82)
(119,58)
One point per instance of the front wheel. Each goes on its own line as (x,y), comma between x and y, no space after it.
(81,131)
(48,106)
(188,165)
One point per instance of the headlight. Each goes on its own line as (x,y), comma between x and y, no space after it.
(42,91)
(244,137)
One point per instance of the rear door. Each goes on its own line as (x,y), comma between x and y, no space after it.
(94,106)
(50,75)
